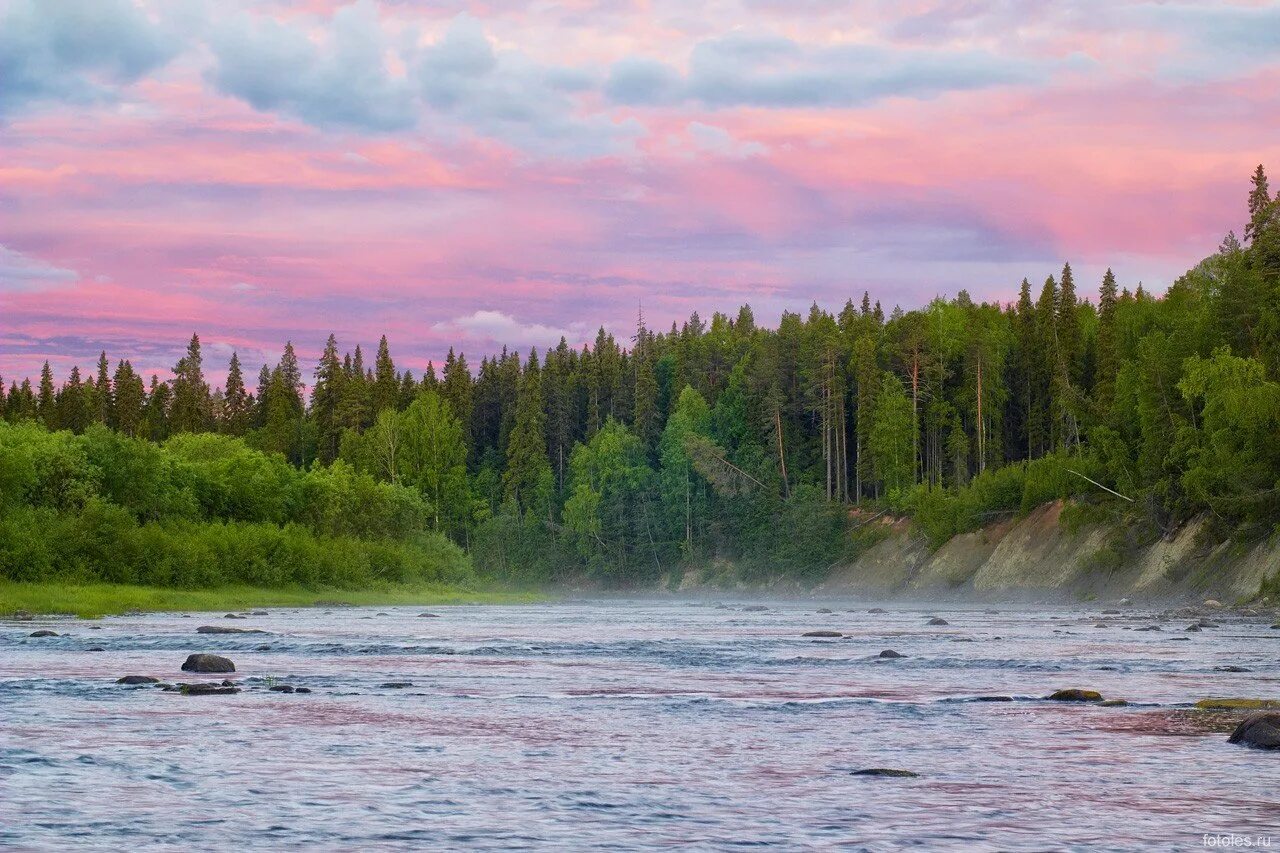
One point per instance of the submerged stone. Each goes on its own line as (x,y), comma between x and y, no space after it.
(822,634)
(43,633)
(1113,703)
(1232,668)
(938,621)
(891,654)
(137,679)
(428,615)
(221,629)
(1261,731)
(207,663)
(1239,704)
(396,685)
(886,772)
(281,688)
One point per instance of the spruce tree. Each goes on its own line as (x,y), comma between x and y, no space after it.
(46,402)
(103,391)
(1104,386)
(236,414)
(386,386)
(326,396)
(526,480)
(190,409)
(127,413)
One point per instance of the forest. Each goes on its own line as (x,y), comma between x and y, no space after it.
(717,442)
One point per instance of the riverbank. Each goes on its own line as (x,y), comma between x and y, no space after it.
(90,601)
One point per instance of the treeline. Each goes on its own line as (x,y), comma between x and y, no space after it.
(725,439)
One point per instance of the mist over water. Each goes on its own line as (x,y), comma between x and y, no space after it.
(633,724)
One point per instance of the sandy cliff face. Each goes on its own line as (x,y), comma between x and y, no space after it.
(1038,557)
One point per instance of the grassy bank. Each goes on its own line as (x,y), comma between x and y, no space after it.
(99,599)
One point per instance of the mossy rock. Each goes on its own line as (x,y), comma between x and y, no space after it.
(1075,695)
(1238,704)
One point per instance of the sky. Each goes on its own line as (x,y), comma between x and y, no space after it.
(474,173)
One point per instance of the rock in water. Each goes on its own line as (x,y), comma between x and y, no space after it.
(219,629)
(1232,668)
(233,616)
(876,610)
(890,654)
(1075,695)
(885,772)
(137,679)
(43,633)
(207,663)
(822,634)
(208,690)
(1113,703)
(428,615)
(824,610)
(1258,730)
(396,685)
(938,621)
(754,608)
(1213,603)
(281,688)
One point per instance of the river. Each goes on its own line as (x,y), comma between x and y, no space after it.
(634,724)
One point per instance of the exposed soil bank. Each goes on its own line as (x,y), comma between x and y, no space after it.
(1038,557)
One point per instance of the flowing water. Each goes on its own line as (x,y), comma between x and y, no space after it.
(633,724)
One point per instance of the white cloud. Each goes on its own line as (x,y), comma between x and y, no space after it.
(21,273)
(501,328)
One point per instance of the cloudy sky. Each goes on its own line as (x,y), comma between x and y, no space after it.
(479,172)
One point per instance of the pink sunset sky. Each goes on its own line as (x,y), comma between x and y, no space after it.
(485,173)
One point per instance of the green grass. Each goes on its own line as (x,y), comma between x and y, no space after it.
(100,599)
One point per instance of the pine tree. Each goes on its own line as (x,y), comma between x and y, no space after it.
(456,390)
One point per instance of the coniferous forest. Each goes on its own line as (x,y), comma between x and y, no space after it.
(716,442)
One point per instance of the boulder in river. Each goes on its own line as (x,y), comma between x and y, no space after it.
(824,610)
(938,621)
(1261,730)
(220,629)
(876,610)
(137,679)
(886,772)
(428,615)
(755,608)
(1213,604)
(1232,668)
(302,690)
(396,685)
(233,616)
(822,634)
(44,632)
(281,688)
(1075,695)
(1113,703)
(889,654)
(207,663)
(993,698)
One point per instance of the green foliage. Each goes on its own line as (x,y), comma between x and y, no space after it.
(203,510)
